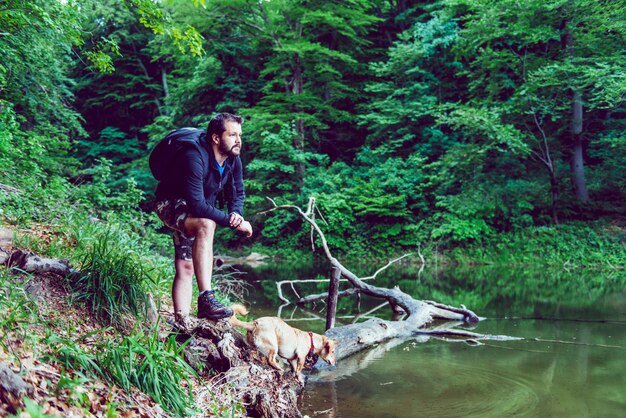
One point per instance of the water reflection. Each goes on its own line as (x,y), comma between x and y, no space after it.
(572,362)
(429,378)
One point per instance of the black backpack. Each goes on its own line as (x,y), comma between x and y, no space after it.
(163,154)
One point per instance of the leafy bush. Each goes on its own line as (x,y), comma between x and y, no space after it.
(569,245)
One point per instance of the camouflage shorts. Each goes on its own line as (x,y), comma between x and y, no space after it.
(173,213)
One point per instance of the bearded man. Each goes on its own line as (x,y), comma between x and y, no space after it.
(187,202)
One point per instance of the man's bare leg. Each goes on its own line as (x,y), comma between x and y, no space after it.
(202,254)
(182,287)
(203,230)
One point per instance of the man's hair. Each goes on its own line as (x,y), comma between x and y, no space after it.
(217,125)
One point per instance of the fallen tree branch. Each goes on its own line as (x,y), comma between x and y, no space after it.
(32,263)
(356,337)
(385,267)
(279,288)
(465,335)
(321,297)
(462,310)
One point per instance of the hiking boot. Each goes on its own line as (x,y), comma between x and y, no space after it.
(210,308)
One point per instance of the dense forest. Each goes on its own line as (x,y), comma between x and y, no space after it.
(447,124)
(461,131)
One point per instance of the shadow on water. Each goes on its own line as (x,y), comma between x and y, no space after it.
(571,363)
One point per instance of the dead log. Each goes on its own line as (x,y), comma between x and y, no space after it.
(32,263)
(419,315)
(321,297)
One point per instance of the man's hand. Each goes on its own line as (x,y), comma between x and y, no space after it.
(235,220)
(246,228)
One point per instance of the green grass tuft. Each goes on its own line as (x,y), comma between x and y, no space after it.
(155,367)
(112,278)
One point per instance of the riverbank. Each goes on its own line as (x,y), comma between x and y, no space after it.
(600,244)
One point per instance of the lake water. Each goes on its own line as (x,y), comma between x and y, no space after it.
(571,362)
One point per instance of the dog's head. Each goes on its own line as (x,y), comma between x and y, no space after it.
(327,353)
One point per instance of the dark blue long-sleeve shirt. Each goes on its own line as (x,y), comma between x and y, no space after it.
(195,177)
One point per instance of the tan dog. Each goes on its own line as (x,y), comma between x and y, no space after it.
(272,336)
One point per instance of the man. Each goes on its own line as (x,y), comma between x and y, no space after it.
(186,202)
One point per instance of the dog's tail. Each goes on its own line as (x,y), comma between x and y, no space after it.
(234,321)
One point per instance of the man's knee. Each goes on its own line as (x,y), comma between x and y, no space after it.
(200,227)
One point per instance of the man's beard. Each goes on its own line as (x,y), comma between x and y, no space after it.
(231,152)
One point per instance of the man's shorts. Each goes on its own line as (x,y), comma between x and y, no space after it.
(173,213)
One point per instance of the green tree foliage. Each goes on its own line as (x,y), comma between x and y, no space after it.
(36,41)
(313,57)
(40,43)
(119,104)
(554,69)
(484,91)
(408,86)
(445,122)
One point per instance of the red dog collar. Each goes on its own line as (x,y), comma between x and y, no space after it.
(311,358)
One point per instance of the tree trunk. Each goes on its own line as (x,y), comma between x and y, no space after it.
(146,74)
(545,157)
(577,165)
(554,190)
(166,90)
(333,296)
(32,263)
(297,88)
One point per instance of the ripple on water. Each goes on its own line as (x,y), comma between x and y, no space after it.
(478,392)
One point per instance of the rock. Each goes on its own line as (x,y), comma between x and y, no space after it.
(6,238)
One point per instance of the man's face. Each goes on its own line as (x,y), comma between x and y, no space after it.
(230,142)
